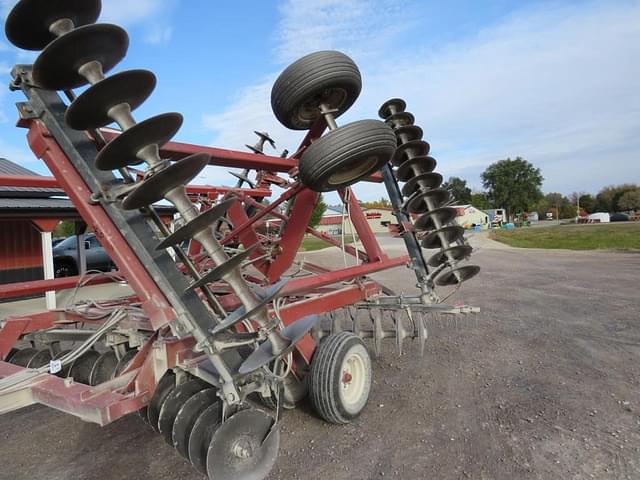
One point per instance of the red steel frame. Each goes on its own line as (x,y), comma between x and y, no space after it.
(133,389)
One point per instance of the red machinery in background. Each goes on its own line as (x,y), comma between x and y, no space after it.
(236,315)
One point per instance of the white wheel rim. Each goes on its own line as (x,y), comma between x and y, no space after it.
(353,379)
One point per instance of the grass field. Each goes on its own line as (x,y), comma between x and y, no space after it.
(616,236)
(312,243)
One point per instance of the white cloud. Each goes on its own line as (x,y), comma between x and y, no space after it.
(557,85)
(159,35)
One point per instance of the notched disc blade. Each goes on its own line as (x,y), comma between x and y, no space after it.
(122,151)
(199,440)
(426,180)
(418,203)
(415,166)
(234,319)
(40,359)
(187,416)
(198,224)
(165,386)
(91,109)
(81,368)
(23,357)
(224,268)
(27,25)
(457,252)
(243,447)
(264,354)
(457,275)
(172,405)
(409,132)
(443,214)
(385,110)
(406,151)
(154,188)
(239,176)
(452,234)
(104,368)
(57,66)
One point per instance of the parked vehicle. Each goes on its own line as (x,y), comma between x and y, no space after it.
(66,259)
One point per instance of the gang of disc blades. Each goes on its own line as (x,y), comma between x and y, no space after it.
(444,214)
(165,386)
(418,202)
(57,67)
(155,187)
(410,132)
(40,359)
(223,269)
(198,224)
(400,119)
(426,180)
(65,368)
(415,148)
(27,25)
(422,163)
(23,357)
(457,275)
(103,369)
(124,362)
(201,433)
(122,151)
(91,109)
(385,110)
(452,233)
(457,252)
(173,403)
(232,320)
(187,416)
(264,354)
(243,447)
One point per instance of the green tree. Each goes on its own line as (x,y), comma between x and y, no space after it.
(382,203)
(318,212)
(587,202)
(513,184)
(459,189)
(480,201)
(608,198)
(630,200)
(64,229)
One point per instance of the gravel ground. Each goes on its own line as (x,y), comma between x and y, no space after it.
(544,385)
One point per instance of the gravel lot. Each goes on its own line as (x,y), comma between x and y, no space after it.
(545,385)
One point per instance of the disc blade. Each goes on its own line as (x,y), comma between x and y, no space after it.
(387,108)
(452,233)
(23,357)
(172,405)
(224,268)
(418,202)
(10,355)
(187,416)
(201,433)
(198,224)
(81,368)
(245,446)
(155,187)
(239,176)
(122,151)
(40,359)
(400,119)
(103,369)
(124,362)
(443,214)
(457,275)
(264,354)
(409,150)
(165,386)
(28,23)
(424,181)
(91,109)
(234,318)
(415,166)
(457,253)
(57,66)
(408,133)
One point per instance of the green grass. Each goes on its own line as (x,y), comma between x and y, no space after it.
(615,236)
(312,243)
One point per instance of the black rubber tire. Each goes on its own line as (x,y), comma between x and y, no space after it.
(327,374)
(346,155)
(327,76)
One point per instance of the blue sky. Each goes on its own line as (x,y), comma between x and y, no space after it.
(554,82)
